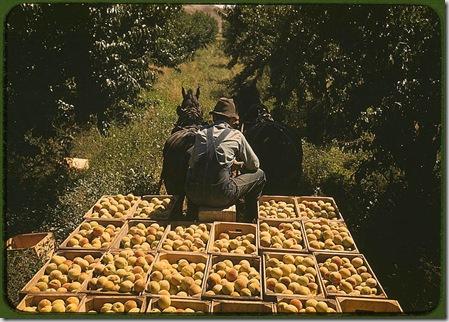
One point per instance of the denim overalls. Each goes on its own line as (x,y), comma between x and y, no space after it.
(209,183)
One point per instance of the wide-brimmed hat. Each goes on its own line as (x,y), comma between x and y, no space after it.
(226,107)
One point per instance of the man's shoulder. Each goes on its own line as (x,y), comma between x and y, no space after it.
(238,137)
(235,132)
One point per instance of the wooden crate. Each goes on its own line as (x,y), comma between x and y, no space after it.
(91,302)
(133,222)
(104,223)
(330,303)
(174,224)
(254,261)
(196,305)
(129,213)
(206,214)
(287,199)
(322,256)
(269,295)
(224,306)
(165,215)
(233,229)
(86,287)
(34,299)
(364,305)
(339,222)
(69,254)
(173,257)
(276,223)
(42,244)
(325,199)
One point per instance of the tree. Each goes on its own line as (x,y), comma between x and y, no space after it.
(364,78)
(71,64)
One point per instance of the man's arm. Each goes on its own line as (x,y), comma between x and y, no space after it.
(247,155)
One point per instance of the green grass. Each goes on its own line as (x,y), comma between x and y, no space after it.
(207,69)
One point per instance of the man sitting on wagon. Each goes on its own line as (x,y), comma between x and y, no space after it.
(220,149)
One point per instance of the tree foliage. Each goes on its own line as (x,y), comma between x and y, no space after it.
(75,60)
(72,65)
(190,32)
(350,69)
(364,78)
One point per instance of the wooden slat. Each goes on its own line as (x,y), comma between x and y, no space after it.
(226,306)
(95,302)
(339,222)
(255,262)
(34,299)
(174,257)
(322,256)
(129,213)
(69,254)
(196,305)
(365,305)
(325,199)
(287,298)
(286,199)
(276,223)
(270,294)
(217,214)
(233,230)
(102,222)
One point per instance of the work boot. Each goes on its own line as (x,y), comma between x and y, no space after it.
(192,211)
(251,211)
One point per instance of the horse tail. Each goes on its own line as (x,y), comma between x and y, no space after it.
(162,176)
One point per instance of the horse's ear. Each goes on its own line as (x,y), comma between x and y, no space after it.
(183,92)
(197,92)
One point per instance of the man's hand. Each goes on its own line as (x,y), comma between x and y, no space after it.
(235,168)
(237,165)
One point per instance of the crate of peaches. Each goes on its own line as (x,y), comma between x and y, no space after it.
(113,304)
(141,234)
(275,235)
(234,238)
(54,303)
(166,304)
(233,277)
(121,272)
(92,234)
(187,237)
(155,207)
(348,274)
(311,207)
(278,208)
(178,274)
(290,304)
(331,235)
(65,272)
(117,207)
(291,274)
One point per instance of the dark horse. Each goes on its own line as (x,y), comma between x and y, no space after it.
(176,157)
(278,148)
